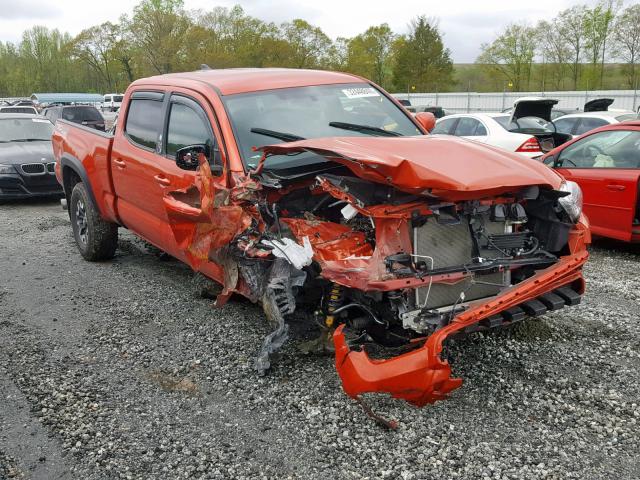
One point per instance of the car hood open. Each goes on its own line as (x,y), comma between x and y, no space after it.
(447,167)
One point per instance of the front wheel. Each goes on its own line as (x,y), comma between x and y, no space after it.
(96,238)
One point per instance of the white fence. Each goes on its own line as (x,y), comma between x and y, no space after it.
(497,102)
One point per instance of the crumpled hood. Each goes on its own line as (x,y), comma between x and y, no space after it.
(429,164)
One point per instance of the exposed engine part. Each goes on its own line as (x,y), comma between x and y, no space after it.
(278,301)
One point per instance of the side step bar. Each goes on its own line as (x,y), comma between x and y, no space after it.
(549,302)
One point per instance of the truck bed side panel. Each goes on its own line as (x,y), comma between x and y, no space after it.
(92,149)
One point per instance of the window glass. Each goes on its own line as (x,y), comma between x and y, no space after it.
(28,110)
(469,127)
(307,112)
(118,98)
(144,121)
(612,149)
(626,117)
(444,126)
(25,130)
(565,125)
(81,114)
(186,127)
(588,124)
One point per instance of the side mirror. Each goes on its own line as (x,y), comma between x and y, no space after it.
(427,120)
(188,158)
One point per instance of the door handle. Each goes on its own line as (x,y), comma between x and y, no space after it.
(119,162)
(613,186)
(162,180)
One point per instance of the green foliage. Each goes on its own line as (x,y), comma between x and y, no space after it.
(511,55)
(160,36)
(421,59)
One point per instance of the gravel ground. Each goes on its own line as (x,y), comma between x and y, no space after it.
(119,370)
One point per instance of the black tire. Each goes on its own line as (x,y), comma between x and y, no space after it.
(96,239)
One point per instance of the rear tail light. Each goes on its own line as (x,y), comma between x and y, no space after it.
(531,145)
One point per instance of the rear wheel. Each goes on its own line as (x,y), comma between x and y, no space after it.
(96,238)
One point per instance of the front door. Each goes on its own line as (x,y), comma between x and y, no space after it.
(606,165)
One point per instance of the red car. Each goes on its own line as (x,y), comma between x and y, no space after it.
(605,162)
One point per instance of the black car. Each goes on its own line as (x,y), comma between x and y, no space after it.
(26,157)
(83,114)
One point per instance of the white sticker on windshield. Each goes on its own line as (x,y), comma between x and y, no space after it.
(360,92)
(40,120)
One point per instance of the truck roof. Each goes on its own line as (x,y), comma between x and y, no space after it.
(242,80)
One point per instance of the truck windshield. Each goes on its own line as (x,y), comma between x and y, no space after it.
(343,110)
(25,130)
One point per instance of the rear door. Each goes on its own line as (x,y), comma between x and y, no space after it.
(606,165)
(139,170)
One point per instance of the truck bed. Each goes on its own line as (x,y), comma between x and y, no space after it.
(76,146)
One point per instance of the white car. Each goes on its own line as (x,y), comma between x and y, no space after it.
(527,129)
(18,109)
(578,123)
(489,128)
(111,102)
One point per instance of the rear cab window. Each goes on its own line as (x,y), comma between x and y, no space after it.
(144,119)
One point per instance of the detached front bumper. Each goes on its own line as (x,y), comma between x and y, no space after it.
(421,376)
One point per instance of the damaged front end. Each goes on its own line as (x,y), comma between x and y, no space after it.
(392,254)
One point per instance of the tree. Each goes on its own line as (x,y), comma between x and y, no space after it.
(94,46)
(627,42)
(309,45)
(159,28)
(369,54)
(571,28)
(511,54)
(555,52)
(421,59)
(597,28)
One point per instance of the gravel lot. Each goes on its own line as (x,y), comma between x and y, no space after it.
(120,370)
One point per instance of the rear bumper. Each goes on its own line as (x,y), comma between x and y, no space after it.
(421,376)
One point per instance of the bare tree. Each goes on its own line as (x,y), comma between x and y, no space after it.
(511,54)
(627,41)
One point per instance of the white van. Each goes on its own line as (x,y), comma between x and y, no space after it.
(111,102)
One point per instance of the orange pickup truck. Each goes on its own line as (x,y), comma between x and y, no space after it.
(318,190)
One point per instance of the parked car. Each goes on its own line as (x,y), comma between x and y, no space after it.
(527,130)
(111,102)
(82,114)
(315,189)
(18,109)
(489,128)
(26,157)
(605,162)
(438,112)
(576,124)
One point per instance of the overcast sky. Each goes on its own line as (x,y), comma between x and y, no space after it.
(465,23)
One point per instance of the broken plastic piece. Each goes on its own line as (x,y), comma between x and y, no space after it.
(298,255)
